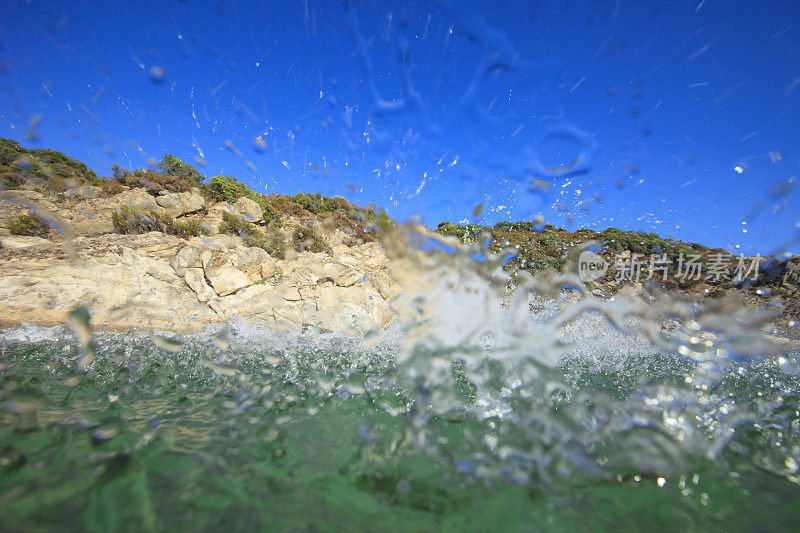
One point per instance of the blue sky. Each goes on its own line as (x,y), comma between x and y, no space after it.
(681,117)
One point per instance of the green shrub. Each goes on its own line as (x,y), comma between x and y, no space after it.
(235,225)
(48,166)
(228,189)
(11,180)
(172,166)
(318,204)
(28,225)
(464,234)
(275,244)
(127,220)
(271,240)
(175,176)
(271,215)
(187,228)
(305,239)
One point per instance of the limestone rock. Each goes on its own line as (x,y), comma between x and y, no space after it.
(248,257)
(125,279)
(19,241)
(180,203)
(191,202)
(340,274)
(137,199)
(171,202)
(196,280)
(253,262)
(288,292)
(161,281)
(93,216)
(83,192)
(224,277)
(211,221)
(188,257)
(248,209)
(16,202)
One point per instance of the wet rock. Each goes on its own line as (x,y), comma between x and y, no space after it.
(103,434)
(701,288)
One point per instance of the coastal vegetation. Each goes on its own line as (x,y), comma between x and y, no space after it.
(28,225)
(47,169)
(297,222)
(128,220)
(269,238)
(537,248)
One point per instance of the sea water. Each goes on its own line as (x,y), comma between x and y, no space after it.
(487,412)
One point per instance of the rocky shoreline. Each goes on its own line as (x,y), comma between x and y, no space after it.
(157,281)
(154,280)
(162,250)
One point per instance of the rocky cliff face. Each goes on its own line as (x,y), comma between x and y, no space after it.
(155,280)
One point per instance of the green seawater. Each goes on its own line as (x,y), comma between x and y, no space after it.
(198,438)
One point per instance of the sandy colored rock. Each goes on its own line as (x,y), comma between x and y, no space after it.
(170,202)
(19,241)
(160,281)
(92,217)
(223,276)
(196,280)
(84,192)
(248,209)
(212,220)
(180,203)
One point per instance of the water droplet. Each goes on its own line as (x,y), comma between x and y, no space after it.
(78,322)
(403,486)
(166,344)
(260,143)
(157,75)
(104,434)
(22,401)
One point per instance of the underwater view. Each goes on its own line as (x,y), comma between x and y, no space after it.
(363,266)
